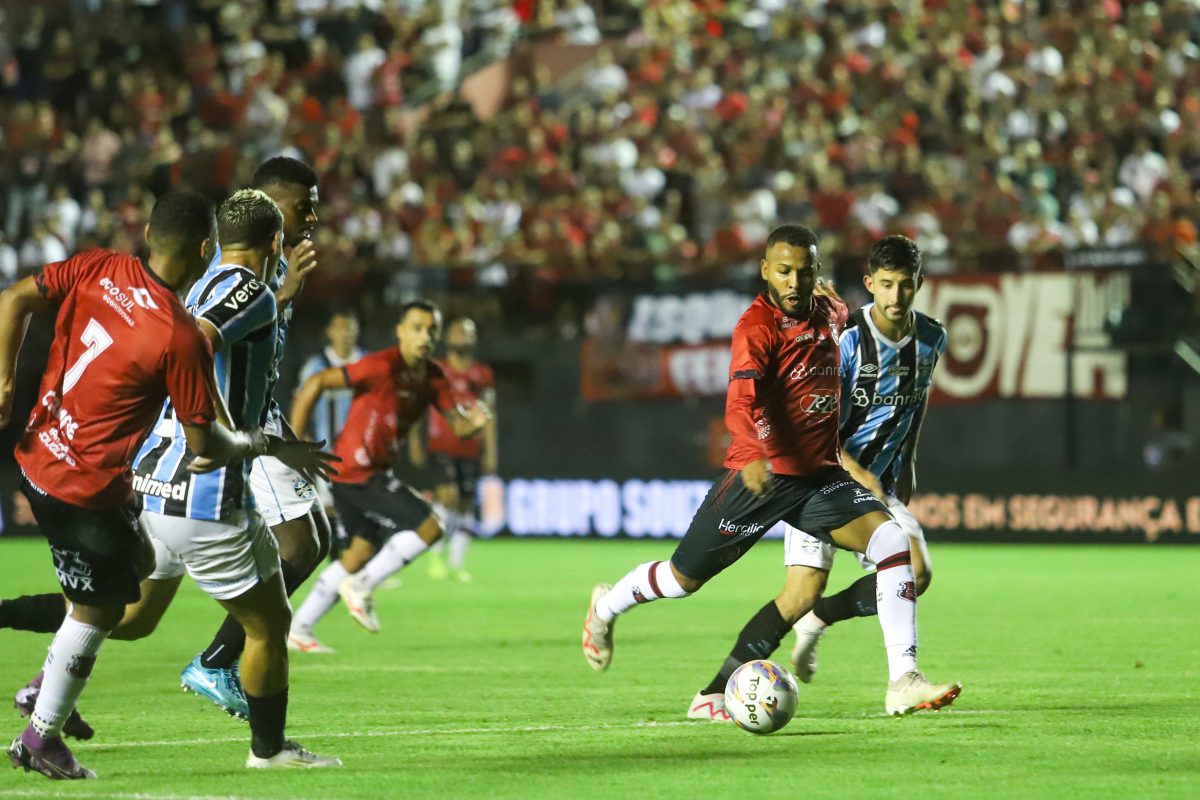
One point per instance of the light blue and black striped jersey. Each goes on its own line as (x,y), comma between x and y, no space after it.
(329,416)
(885,385)
(243,309)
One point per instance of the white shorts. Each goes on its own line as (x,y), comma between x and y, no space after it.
(226,559)
(280,492)
(325,493)
(802,550)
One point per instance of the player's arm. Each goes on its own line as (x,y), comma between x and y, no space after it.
(301,263)
(906,482)
(491,441)
(417,454)
(467,421)
(747,370)
(861,474)
(311,391)
(17,303)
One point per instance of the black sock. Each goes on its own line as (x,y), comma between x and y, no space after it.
(40,613)
(268,716)
(226,647)
(758,639)
(856,600)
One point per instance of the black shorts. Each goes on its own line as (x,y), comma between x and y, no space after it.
(463,473)
(731,519)
(100,555)
(379,508)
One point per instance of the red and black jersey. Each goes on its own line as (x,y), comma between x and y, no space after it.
(784,388)
(123,344)
(474,381)
(389,398)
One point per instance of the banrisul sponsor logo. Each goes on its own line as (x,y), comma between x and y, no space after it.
(171,491)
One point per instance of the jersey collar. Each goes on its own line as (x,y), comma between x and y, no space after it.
(875,331)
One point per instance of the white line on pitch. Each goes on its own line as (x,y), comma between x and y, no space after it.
(117,795)
(401,732)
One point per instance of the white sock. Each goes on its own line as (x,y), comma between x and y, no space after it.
(68,665)
(459,540)
(645,583)
(399,551)
(895,596)
(320,599)
(810,623)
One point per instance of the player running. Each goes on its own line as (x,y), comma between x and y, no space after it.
(328,419)
(207,524)
(389,524)
(456,462)
(783,464)
(123,344)
(888,354)
(284,497)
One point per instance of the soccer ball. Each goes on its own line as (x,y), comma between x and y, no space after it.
(761,696)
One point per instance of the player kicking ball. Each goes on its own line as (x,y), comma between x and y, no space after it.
(888,354)
(389,524)
(783,464)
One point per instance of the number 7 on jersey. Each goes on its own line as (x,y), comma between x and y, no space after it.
(97,341)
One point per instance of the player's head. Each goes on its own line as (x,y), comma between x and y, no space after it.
(418,330)
(894,276)
(182,230)
(341,329)
(292,184)
(790,267)
(461,337)
(249,221)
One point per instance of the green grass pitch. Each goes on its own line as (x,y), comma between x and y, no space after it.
(1080,665)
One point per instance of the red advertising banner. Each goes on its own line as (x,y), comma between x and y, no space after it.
(1008,337)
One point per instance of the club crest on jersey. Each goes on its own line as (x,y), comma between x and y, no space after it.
(304,490)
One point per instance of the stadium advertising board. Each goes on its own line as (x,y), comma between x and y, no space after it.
(662,509)
(1009,337)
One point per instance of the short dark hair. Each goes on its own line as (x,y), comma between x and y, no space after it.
(423,305)
(795,235)
(898,253)
(334,312)
(284,170)
(249,218)
(180,220)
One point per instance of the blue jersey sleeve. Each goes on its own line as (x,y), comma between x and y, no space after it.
(238,306)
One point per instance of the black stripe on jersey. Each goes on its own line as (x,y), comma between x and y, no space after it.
(908,383)
(752,374)
(868,376)
(213,283)
(178,508)
(236,368)
(222,313)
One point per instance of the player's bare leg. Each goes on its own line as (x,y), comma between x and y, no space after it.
(881,539)
(214,673)
(357,590)
(445,497)
(264,615)
(761,637)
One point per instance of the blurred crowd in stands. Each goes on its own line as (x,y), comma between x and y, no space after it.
(996,133)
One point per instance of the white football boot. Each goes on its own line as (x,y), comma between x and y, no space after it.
(292,755)
(912,692)
(300,642)
(710,707)
(597,634)
(361,605)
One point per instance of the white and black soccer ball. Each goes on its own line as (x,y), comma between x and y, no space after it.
(761,696)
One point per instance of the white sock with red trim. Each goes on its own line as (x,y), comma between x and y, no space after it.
(399,551)
(895,596)
(65,674)
(645,583)
(320,599)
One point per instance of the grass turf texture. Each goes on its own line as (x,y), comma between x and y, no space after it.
(1080,666)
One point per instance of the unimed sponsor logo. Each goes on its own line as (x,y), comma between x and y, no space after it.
(171,491)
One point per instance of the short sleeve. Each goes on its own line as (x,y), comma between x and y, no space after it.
(749,351)
(238,305)
(487,387)
(368,370)
(848,346)
(189,375)
(56,280)
(312,366)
